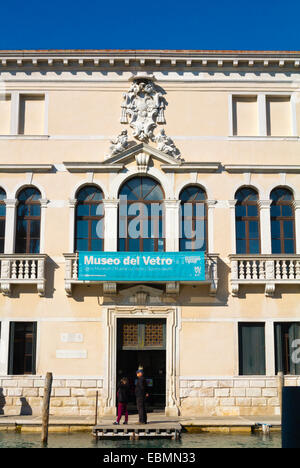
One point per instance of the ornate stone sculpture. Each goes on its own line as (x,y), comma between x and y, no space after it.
(119,144)
(143,106)
(166,145)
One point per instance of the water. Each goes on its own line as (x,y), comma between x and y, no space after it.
(86,440)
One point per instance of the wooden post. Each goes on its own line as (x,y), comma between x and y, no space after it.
(280,387)
(96,409)
(45,408)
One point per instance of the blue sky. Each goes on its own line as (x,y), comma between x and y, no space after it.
(152,24)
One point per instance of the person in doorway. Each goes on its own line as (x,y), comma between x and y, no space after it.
(141,395)
(123,397)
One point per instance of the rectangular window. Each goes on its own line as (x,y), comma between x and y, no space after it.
(252,359)
(287,343)
(278,110)
(22,348)
(5,109)
(31,114)
(245,115)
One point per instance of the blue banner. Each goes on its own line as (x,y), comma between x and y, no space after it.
(141,266)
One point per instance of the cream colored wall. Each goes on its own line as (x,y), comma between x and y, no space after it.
(50,341)
(245,116)
(198,118)
(202,349)
(5,106)
(279,115)
(32,115)
(86,112)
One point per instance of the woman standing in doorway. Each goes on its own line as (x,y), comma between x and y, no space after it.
(123,397)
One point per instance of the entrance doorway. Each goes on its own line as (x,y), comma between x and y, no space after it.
(142,342)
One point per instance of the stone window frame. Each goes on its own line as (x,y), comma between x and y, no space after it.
(15,112)
(262,114)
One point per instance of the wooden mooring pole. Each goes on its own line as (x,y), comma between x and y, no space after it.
(46,406)
(280,385)
(96,409)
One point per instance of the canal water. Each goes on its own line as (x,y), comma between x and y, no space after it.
(86,440)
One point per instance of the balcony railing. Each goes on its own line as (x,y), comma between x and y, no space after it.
(22,269)
(264,269)
(172,287)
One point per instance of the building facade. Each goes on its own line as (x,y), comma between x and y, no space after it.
(90,142)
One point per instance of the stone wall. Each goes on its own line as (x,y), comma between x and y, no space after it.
(21,395)
(238,396)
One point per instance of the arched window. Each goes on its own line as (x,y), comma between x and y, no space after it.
(141,216)
(193,235)
(89,228)
(2,219)
(282,221)
(28,221)
(247,221)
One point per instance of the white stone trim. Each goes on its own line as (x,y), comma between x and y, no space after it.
(72,206)
(196,183)
(173,325)
(44,202)
(46,112)
(87,181)
(159,176)
(262,114)
(232,204)
(111,222)
(211,204)
(258,187)
(14,116)
(10,225)
(265,226)
(297,224)
(294,128)
(171,223)
(230,115)
(15,113)
(23,185)
(270,347)
(262,168)
(294,189)
(4,346)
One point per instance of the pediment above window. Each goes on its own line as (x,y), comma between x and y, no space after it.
(128,153)
(142,153)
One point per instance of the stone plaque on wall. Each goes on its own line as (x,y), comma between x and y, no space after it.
(71,354)
(71,337)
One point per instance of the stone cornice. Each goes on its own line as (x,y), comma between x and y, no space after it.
(92,167)
(143,58)
(194,167)
(26,167)
(261,168)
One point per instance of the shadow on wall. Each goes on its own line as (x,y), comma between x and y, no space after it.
(2,401)
(26,409)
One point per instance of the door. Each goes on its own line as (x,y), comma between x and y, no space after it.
(142,342)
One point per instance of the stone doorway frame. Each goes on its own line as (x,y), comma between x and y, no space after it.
(173,325)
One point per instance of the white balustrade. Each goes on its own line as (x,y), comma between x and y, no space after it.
(266,269)
(22,269)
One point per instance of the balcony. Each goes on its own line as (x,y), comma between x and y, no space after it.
(110,288)
(268,270)
(22,269)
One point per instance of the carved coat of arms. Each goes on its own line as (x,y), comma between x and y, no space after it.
(143,107)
